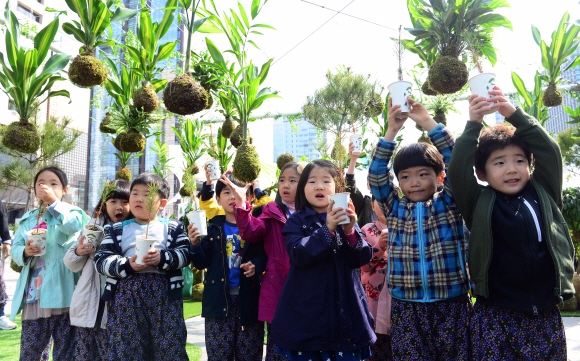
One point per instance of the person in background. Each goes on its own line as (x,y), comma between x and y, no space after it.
(5,323)
(362,203)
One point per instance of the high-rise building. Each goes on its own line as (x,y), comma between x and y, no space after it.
(297,137)
(102,163)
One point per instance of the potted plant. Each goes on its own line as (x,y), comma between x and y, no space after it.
(564,44)
(95,17)
(481,83)
(183,95)
(38,233)
(400,89)
(161,150)
(143,242)
(428,55)
(26,77)
(94,232)
(133,127)
(242,78)
(444,25)
(228,109)
(124,158)
(191,140)
(148,53)
(531,101)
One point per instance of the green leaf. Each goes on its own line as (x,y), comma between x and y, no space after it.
(243,15)
(29,65)
(167,20)
(145,33)
(165,51)
(536,35)
(216,55)
(78,34)
(57,93)
(124,14)
(80,8)
(55,63)
(159,84)
(198,23)
(262,26)
(521,88)
(494,21)
(101,19)
(255,8)
(44,39)
(11,50)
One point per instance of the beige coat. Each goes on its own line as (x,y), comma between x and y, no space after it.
(85,300)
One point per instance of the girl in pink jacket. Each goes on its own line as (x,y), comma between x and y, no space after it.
(373,279)
(268,227)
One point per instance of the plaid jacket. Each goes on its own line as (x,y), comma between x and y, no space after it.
(427,248)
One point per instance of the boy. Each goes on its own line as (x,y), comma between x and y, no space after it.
(426,269)
(232,283)
(520,252)
(145,308)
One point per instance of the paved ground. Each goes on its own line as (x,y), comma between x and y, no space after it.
(195,325)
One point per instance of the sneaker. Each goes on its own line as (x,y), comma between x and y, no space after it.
(6,324)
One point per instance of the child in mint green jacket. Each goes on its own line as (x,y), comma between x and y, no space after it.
(45,286)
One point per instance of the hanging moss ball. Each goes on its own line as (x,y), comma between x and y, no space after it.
(124,174)
(87,71)
(246,165)
(105,126)
(145,99)
(237,136)
(22,137)
(552,96)
(440,117)
(184,96)
(228,127)
(184,192)
(118,142)
(193,169)
(283,159)
(424,138)
(133,141)
(209,101)
(375,106)
(426,90)
(447,75)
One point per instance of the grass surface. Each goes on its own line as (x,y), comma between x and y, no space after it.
(11,338)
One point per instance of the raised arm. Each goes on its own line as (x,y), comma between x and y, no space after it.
(251,229)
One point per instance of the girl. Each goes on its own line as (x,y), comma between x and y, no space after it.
(373,279)
(322,313)
(45,286)
(268,227)
(87,311)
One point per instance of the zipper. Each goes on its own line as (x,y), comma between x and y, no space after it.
(421,239)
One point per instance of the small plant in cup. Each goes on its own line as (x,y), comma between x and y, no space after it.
(38,229)
(105,194)
(151,204)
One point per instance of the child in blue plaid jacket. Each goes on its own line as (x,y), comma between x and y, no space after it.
(426,275)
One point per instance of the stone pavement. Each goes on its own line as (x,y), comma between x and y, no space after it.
(195,325)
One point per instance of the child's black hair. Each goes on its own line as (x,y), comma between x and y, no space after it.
(59,173)
(122,191)
(219,187)
(495,138)
(278,198)
(148,179)
(418,155)
(301,201)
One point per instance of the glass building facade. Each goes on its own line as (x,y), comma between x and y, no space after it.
(298,138)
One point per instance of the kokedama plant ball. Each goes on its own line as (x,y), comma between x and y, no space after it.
(184,96)
(22,137)
(237,136)
(552,96)
(124,173)
(246,165)
(228,128)
(145,99)
(447,75)
(104,127)
(283,159)
(426,90)
(87,71)
(133,141)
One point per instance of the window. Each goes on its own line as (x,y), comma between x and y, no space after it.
(29,13)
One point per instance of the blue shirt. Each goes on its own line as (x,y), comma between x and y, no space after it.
(234,252)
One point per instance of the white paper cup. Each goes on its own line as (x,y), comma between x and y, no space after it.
(214,169)
(92,237)
(38,240)
(400,90)
(142,247)
(356,140)
(340,200)
(198,220)
(480,85)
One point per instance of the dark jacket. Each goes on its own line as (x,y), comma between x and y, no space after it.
(210,254)
(4,230)
(362,203)
(477,204)
(323,305)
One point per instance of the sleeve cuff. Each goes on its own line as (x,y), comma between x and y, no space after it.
(259,193)
(56,209)
(435,130)
(207,191)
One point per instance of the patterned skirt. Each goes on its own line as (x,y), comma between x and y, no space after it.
(502,334)
(436,331)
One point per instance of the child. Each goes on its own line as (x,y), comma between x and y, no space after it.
(268,227)
(362,203)
(87,311)
(426,274)
(230,298)
(520,252)
(323,313)
(45,286)
(373,279)
(145,309)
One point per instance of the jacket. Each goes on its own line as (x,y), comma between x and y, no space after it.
(267,227)
(211,254)
(57,281)
(323,305)
(362,203)
(208,203)
(426,247)
(4,230)
(477,203)
(87,294)
(110,262)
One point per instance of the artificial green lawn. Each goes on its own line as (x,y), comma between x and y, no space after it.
(11,338)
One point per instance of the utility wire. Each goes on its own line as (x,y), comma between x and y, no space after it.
(352,16)
(309,35)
